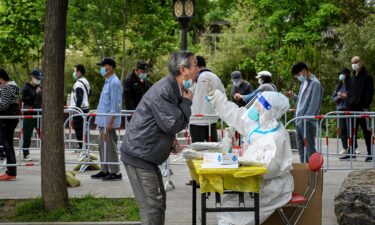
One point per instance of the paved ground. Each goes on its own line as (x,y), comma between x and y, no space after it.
(28,185)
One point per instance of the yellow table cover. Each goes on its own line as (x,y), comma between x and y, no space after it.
(243,179)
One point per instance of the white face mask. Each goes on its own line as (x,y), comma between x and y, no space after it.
(36,82)
(260,81)
(355,66)
(236,83)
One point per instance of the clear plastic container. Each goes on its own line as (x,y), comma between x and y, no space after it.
(227,142)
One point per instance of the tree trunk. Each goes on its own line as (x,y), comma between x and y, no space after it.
(124,15)
(54,188)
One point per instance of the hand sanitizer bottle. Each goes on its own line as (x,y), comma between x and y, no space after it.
(227,142)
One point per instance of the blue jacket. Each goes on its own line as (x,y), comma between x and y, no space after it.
(310,101)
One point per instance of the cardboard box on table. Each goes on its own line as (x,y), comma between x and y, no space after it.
(313,213)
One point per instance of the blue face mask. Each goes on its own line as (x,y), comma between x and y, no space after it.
(103,71)
(142,76)
(187,83)
(342,77)
(301,78)
(253,114)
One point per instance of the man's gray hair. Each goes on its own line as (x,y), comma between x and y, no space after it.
(177,59)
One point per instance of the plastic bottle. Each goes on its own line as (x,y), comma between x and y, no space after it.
(227,142)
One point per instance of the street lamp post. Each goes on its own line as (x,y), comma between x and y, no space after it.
(183,10)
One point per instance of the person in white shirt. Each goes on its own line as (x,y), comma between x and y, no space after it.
(199,128)
(79,97)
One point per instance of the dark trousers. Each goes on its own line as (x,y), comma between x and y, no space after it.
(344,131)
(310,140)
(7,129)
(2,153)
(201,134)
(78,128)
(361,122)
(28,127)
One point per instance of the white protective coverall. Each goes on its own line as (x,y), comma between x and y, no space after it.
(267,142)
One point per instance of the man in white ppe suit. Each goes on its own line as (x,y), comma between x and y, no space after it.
(267,143)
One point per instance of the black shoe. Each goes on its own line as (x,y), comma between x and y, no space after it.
(112,176)
(368,159)
(99,175)
(347,157)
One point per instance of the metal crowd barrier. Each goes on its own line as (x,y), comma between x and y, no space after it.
(320,120)
(86,141)
(322,126)
(351,117)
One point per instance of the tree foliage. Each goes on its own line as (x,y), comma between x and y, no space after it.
(21,32)
(272,35)
(262,35)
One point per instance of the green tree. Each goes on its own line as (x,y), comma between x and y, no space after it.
(21,33)
(358,40)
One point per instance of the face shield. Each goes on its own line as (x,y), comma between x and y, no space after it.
(256,106)
(265,109)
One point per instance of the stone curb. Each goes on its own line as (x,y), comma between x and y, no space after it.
(73,223)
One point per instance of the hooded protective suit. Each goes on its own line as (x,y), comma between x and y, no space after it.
(267,142)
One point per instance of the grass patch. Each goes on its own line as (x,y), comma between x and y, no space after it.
(87,208)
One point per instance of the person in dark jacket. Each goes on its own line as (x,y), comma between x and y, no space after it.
(240,86)
(9,99)
(32,99)
(150,136)
(340,97)
(136,85)
(360,94)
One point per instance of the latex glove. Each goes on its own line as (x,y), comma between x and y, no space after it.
(209,87)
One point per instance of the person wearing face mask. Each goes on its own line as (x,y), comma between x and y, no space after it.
(110,101)
(151,135)
(32,99)
(340,97)
(79,97)
(265,84)
(308,103)
(199,128)
(240,87)
(136,85)
(360,94)
(267,143)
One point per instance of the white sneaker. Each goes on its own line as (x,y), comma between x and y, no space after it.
(27,158)
(357,151)
(344,151)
